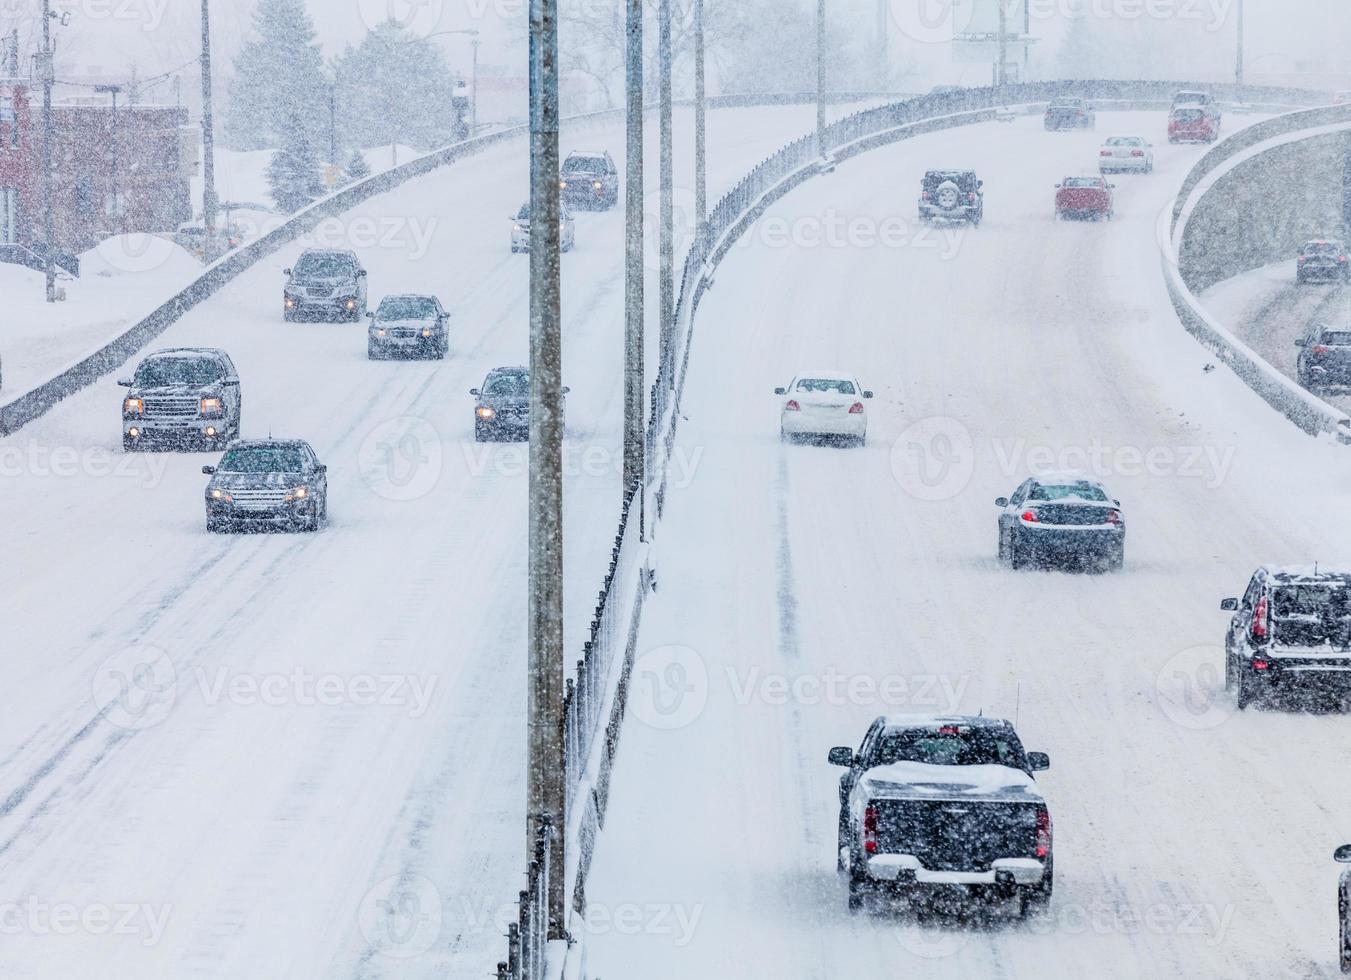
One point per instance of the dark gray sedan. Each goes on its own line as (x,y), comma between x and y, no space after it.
(502,407)
(1059,518)
(271,483)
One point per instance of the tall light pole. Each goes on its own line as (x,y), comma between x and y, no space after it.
(47,71)
(1003,76)
(700,122)
(546,793)
(210,202)
(821,77)
(634,444)
(1238,68)
(667,202)
(114,91)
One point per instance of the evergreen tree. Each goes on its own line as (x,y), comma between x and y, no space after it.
(278,80)
(357,167)
(294,173)
(395,88)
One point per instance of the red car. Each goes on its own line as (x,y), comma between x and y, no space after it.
(1193,124)
(1084,197)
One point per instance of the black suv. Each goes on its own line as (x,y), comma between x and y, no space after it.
(267,483)
(952,195)
(502,405)
(590,181)
(1324,357)
(944,802)
(326,284)
(1322,261)
(1292,627)
(185,397)
(1070,114)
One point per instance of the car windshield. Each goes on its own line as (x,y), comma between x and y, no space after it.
(951,745)
(585,165)
(1079,490)
(263,459)
(164,371)
(406,308)
(1188,115)
(507,385)
(1125,141)
(1083,182)
(826,386)
(1337,338)
(324,265)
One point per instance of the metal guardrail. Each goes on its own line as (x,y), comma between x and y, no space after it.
(1305,409)
(607,647)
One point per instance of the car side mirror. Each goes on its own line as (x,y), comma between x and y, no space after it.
(361,273)
(124,382)
(208,471)
(566,390)
(370,314)
(1001,501)
(1301,342)
(1229,605)
(285,272)
(231,382)
(842,756)
(1342,854)
(980,184)
(321,469)
(1111,186)
(1057,186)
(780,391)
(1038,761)
(867,394)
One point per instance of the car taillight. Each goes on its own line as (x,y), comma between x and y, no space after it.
(792,406)
(1104,153)
(856,408)
(870,830)
(971,198)
(1114,517)
(1259,620)
(924,195)
(1321,348)
(1341,258)
(1301,259)
(1137,153)
(1260,665)
(1043,832)
(1030,516)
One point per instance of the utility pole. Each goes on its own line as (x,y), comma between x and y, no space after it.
(667,202)
(333,124)
(634,439)
(546,790)
(1003,77)
(47,71)
(209,200)
(1238,70)
(821,77)
(116,155)
(473,91)
(700,122)
(14,54)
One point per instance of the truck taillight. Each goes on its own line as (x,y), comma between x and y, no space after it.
(792,406)
(1321,348)
(1259,620)
(1043,832)
(870,830)
(856,408)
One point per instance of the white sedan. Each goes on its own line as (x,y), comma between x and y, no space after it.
(1126,153)
(824,404)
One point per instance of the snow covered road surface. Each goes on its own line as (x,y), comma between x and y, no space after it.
(804,590)
(235,748)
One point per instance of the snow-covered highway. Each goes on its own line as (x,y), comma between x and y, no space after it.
(228,745)
(805,590)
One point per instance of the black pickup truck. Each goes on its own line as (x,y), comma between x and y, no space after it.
(948,802)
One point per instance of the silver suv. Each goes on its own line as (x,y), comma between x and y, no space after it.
(186,397)
(326,284)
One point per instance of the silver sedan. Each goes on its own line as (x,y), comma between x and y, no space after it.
(1126,153)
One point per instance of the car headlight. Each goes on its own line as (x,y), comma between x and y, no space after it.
(290,302)
(351,304)
(484,412)
(212,406)
(517,228)
(379,331)
(222,496)
(426,331)
(133,406)
(299,493)
(562,185)
(597,185)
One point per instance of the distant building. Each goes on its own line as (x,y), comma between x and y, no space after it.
(112,172)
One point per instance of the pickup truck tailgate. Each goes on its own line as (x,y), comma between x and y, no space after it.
(956,835)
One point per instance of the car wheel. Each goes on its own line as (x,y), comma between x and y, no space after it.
(861,891)
(214,527)
(1036,899)
(481,433)
(1344,926)
(1116,559)
(787,437)
(1246,688)
(128,444)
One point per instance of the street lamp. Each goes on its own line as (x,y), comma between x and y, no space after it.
(473,82)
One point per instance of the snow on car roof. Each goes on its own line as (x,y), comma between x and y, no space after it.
(934,721)
(185,352)
(826,375)
(1287,574)
(1061,478)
